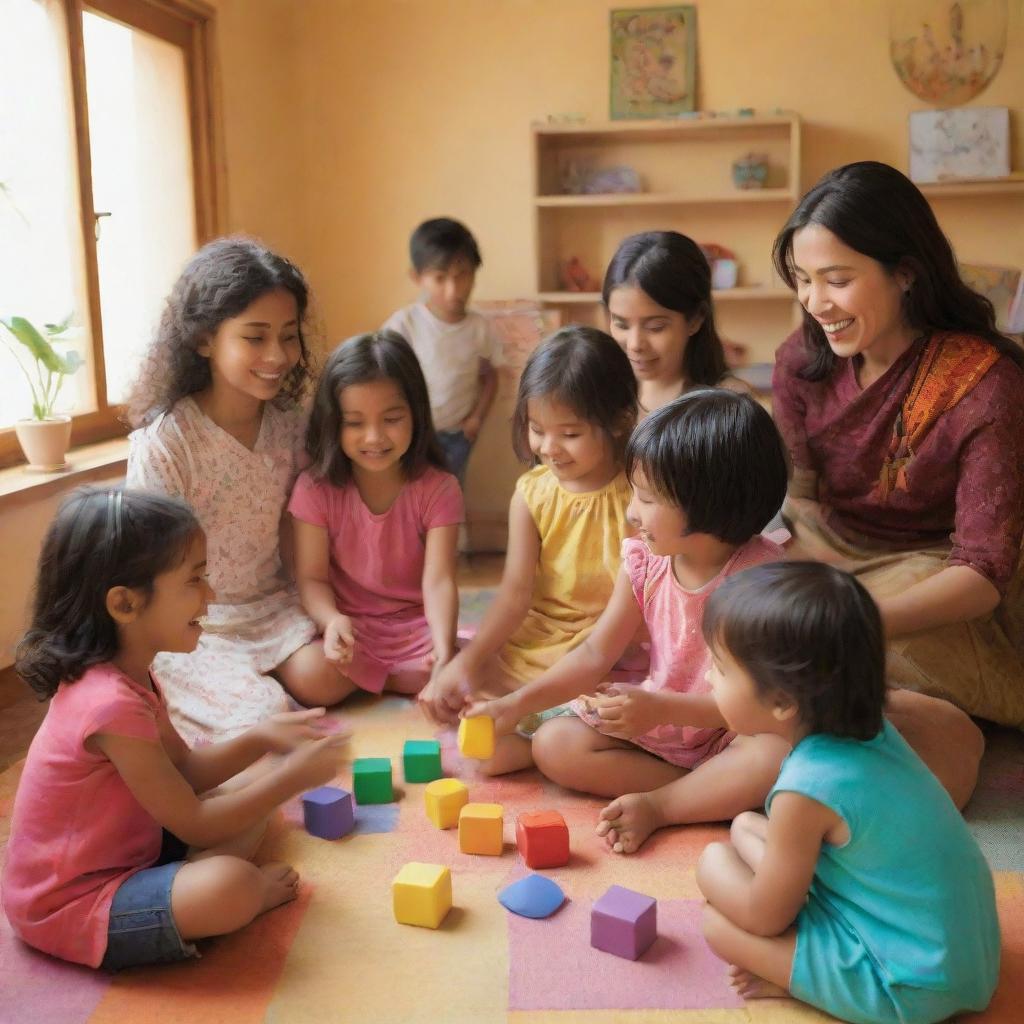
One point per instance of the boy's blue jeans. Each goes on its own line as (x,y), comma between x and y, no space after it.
(456,447)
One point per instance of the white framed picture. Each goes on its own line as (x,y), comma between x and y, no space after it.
(968,142)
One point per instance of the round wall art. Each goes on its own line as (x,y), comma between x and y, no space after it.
(944,52)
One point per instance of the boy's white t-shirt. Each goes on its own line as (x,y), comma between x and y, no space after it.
(450,356)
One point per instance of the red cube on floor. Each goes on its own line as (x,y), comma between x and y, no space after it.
(543,839)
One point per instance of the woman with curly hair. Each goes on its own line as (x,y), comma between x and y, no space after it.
(217,407)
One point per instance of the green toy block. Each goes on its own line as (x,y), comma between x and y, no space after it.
(371,780)
(421,760)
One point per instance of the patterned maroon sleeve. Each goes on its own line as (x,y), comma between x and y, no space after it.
(990,483)
(788,405)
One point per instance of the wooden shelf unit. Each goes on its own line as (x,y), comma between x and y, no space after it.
(1013,185)
(685,166)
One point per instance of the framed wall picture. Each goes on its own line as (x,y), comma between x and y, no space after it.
(653,61)
(968,142)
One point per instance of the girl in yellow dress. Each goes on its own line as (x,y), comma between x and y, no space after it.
(575,409)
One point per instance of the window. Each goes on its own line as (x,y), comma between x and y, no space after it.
(107,185)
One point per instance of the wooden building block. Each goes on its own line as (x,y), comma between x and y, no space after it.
(480,829)
(421,760)
(371,780)
(328,812)
(445,799)
(476,737)
(543,839)
(422,894)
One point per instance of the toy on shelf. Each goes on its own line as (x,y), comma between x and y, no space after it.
(481,829)
(371,780)
(421,760)
(327,812)
(543,839)
(724,268)
(624,922)
(583,179)
(750,171)
(445,799)
(576,278)
(532,896)
(476,737)
(422,894)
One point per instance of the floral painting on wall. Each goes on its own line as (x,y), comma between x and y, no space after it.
(946,53)
(653,61)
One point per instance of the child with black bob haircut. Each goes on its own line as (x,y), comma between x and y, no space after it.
(456,347)
(862,892)
(708,471)
(121,851)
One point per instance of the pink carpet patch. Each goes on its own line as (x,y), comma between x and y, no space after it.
(552,965)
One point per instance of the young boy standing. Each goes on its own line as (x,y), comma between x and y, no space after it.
(456,348)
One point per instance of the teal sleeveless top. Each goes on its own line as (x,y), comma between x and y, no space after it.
(900,923)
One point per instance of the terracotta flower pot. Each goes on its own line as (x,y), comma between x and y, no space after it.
(45,442)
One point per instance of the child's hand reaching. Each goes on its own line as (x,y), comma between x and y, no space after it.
(448,691)
(315,762)
(339,640)
(504,711)
(281,734)
(627,712)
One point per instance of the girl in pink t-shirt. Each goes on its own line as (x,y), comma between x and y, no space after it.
(376,519)
(708,471)
(99,868)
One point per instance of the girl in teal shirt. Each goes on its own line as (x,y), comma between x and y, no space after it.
(862,892)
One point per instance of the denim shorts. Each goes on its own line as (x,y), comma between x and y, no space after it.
(142,928)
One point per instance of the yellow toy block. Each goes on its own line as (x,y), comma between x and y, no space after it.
(422,894)
(445,798)
(476,737)
(480,829)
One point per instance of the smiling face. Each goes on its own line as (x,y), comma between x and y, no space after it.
(376,426)
(857,302)
(252,354)
(745,709)
(169,619)
(578,452)
(653,337)
(659,524)
(446,290)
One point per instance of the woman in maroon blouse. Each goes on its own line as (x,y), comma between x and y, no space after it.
(903,410)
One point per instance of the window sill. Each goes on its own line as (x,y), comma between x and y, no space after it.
(85,464)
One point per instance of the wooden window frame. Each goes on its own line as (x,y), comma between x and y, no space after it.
(191,25)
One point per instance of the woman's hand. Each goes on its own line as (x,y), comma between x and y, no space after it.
(339,640)
(628,712)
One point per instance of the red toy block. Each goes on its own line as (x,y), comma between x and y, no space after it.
(543,839)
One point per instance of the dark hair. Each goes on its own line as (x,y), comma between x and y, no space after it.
(99,539)
(879,212)
(718,456)
(583,369)
(673,271)
(436,243)
(810,632)
(383,355)
(219,282)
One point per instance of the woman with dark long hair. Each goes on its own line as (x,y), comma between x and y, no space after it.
(900,403)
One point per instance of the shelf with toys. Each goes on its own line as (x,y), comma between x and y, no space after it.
(728,182)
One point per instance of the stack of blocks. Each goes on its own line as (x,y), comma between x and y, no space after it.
(327,812)
(543,839)
(371,780)
(445,799)
(422,894)
(480,829)
(421,760)
(624,922)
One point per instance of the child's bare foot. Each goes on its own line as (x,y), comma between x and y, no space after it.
(280,884)
(752,986)
(628,820)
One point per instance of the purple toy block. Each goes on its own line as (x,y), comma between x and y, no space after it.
(624,922)
(328,812)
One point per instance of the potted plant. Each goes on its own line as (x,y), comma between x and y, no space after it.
(46,436)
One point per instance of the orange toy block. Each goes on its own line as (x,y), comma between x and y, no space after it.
(543,839)
(480,829)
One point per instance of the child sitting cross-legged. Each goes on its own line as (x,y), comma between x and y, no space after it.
(708,471)
(862,892)
(99,866)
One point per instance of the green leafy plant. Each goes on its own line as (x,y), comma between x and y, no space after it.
(51,367)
